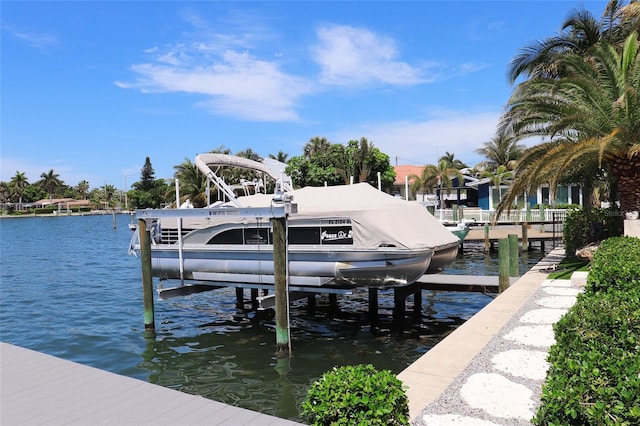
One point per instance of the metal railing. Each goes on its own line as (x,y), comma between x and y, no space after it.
(517,216)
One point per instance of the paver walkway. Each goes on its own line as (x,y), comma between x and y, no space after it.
(503,382)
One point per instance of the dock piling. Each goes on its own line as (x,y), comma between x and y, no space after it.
(487,241)
(525,236)
(147,278)
(513,255)
(280,286)
(503,264)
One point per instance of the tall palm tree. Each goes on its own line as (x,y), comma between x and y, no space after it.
(281,156)
(438,176)
(581,31)
(50,181)
(497,177)
(502,150)
(19,182)
(592,117)
(316,145)
(455,162)
(83,188)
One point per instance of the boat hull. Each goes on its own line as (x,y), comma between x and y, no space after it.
(306,267)
(443,257)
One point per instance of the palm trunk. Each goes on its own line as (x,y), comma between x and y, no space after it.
(627,173)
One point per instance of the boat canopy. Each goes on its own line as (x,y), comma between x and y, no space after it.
(377,218)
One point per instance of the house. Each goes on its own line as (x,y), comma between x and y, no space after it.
(61,203)
(479,192)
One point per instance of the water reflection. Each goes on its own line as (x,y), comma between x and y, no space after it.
(222,353)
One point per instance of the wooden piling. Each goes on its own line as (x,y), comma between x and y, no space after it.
(503,264)
(525,236)
(373,305)
(513,255)
(147,277)
(239,298)
(487,241)
(280,286)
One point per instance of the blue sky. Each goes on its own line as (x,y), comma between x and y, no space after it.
(89,89)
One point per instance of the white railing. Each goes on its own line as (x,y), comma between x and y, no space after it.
(519,216)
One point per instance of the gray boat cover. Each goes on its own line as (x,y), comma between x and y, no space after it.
(377,218)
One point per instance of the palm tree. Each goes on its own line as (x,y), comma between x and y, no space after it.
(83,188)
(437,176)
(450,158)
(19,182)
(50,181)
(581,31)
(193,184)
(592,117)
(502,150)
(281,156)
(497,177)
(316,145)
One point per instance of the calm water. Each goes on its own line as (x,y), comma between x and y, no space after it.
(69,289)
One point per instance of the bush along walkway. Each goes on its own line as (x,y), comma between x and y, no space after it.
(503,383)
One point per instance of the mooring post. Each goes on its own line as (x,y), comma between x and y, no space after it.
(503,264)
(525,236)
(147,278)
(513,255)
(487,242)
(279,225)
(455,212)
(373,305)
(239,298)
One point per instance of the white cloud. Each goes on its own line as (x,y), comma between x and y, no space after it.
(423,142)
(349,56)
(235,84)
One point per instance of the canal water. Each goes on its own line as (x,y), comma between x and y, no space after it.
(68,288)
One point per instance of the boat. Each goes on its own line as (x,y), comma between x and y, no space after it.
(338,236)
(460,229)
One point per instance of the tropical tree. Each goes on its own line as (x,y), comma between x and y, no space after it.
(19,182)
(50,181)
(502,150)
(315,146)
(580,33)
(83,189)
(281,156)
(591,116)
(148,192)
(193,184)
(438,177)
(497,177)
(455,162)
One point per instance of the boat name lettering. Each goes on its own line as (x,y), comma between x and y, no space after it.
(340,235)
(338,222)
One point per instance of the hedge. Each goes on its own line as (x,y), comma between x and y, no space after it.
(594,378)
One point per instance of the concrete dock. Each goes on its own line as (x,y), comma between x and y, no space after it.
(39,389)
(432,374)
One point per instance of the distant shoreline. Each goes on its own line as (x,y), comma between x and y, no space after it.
(64,214)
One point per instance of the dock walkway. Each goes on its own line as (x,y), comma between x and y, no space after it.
(39,389)
(490,370)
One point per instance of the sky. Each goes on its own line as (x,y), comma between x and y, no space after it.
(91,88)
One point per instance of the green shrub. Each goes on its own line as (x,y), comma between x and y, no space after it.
(582,227)
(616,265)
(357,395)
(594,378)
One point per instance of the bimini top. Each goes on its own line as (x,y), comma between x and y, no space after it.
(377,218)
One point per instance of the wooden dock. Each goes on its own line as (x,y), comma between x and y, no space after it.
(39,389)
